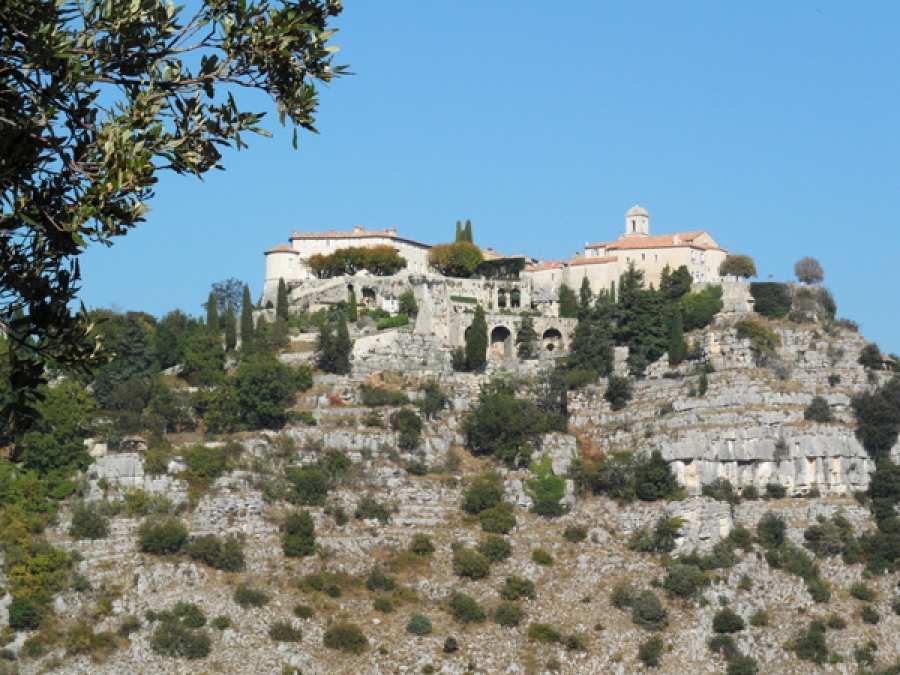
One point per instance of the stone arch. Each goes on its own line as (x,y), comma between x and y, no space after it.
(369,297)
(501,342)
(551,340)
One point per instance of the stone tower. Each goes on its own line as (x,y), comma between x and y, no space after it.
(637,222)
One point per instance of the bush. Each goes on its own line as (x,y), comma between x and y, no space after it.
(88,522)
(471,564)
(484,493)
(650,651)
(741,664)
(299,537)
(281,631)
(861,591)
(721,490)
(869,614)
(751,492)
(189,614)
(622,596)
(465,609)
(763,341)
(383,605)
(771,530)
(870,357)
(771,300)
(818,411)
(508,614)
(129,625)
(376,397)
(303,611)
(818,590)
(619,391)
(379,581)
(653,478)
(684,581)
(542,632)
(836,622)
(221,622)
(499,519)
(24,614)
(451,646)
(161,535)
(495,548)
(759,618)
(174,639)
(409,424)
(811,646)
(310,485)
(575,533)
(422,545)
(728,621)
(516,587)
(346,637)
(222,554)
(419,624)
(648,612)
(723,644)
(371,509)
(775,491)
(541,556)
(250,597)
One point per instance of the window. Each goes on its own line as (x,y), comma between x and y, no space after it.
(693,256)
(643,256)
(703,257)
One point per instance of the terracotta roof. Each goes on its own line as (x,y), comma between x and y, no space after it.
(282,248)
(549,265)
(657,241)
(595,261)
(364,234)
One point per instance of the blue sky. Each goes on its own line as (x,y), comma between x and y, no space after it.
(772,125)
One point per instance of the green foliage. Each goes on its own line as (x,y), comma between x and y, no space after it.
(377,580)
(419,624)
(818,411)
(702,384)
(229,326)
(298,539)
(545,489)
(282,631)
(723,644)
(24,614)
(699,309)
(88,522)
(465,609)
(811,646)
(763,341)
(516,587)
(222,554)
(861,591)
(722,490)
(470,564)
(212,314)
(204,359)
(370,509)
(775,491)
(309,485)
(381,396)
(591,352)
(162,535)
(661,540)
(728,621)
(527,346)
(771,300)
(640,321)
(129,337)
(650,651)
(409,424)
(433,400)
(499,519)
(622,596)
(451,645)
(878,418)
(175,639)
(379,260)
(809,271)
(205,464)
(460,259)
(502,426)
(870,357)
(738,266)
(422,545)
(568,302)
(169,338)
(542,557)
(684,580)
(627,476)
(265,388)
(771,530)
(476,340)
(333,348)
(494,548)
(508,614)
(653,478)
(741,664)
(221,622)
(677,345)
(869,614)
(247,330)
(383,605)
(575,534)
(829,538)
(619,391)
(648,612)
(542,632)
(392,322)
(246,596)
(281,301)
(407,303)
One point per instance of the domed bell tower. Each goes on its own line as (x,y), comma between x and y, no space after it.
(637,222)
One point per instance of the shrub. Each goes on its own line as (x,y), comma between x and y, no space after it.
(383,605)
(303,611)
(861,591)
(811,646)
(771,530)
(346,637)
(174,639)
(499,519)
(375,397)
(371,509)
(281,631)
(818,410)
(222,554)
(541,556)
(422,545)
(728,621)
(619,391)
(775,491)
(81,639)
(622,596)
(759,618)
(516,587)
(662,538)
(721,490)
(869,614)
(650,651)
(751,492)
(484,493)
(836,622)
(575,533)
(246,596)
(299,537)
(542,632)
(648,612)
(465,609)
(684,581)
(161,535)
(741,664)
(88,522)
(818,590)
(771,300)
(379,581)
(419,624)
(508,614)
(763,341)
(653,478)
(128,625)
(495,548)
(870,357)
(221,622)
(451,645)
(189,614)
(24,614)
(309,485)
(471,564)
(575,642)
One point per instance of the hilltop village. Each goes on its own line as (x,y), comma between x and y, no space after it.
(412,458)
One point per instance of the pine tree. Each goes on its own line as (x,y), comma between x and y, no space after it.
(677,345)
(526,339)
(246,317)
(212,314)
(229,324)
(592,347)
(353,313)
(477,340)
(343,348)
(281,301)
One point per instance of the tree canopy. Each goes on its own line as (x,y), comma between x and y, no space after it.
(98,99)
(738,266)
(459,259)
(809,271)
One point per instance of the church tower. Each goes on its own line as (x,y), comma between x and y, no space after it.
(637,222)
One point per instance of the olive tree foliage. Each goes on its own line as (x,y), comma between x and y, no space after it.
(738,266)
(97,98)
(809,271)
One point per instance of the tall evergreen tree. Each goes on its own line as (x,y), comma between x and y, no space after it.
(677,345)
(460,237)
(246,317)
(325,348)
(585,294)
(281,301)
(477,340)
(592,347)
(353,312)
(469,236)
(343,348)
(568,302)
(229,325)
(212,314)
(526,339)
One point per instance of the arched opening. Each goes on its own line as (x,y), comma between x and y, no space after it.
(551,340)
(501,298)
(515,299)
(501,342)
(369,297)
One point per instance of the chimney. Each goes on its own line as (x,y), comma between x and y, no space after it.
(358,228)
(392,231)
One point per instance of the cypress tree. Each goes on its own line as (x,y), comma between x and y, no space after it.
(343,347)
(353,313)
(247,317)
(586,295)
(527,339)
(568,302)
(229,324)
(325,348)
(477,340)
(212,314)
(677,345)
(281,301)
(459,233)
(469,238)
